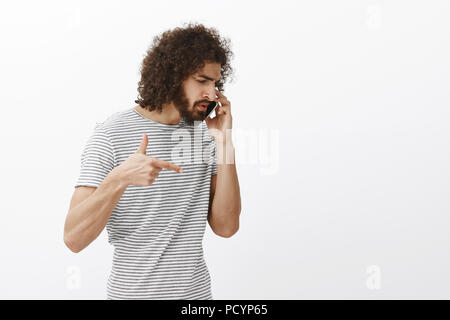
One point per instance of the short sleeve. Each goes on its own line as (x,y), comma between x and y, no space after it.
(97,159)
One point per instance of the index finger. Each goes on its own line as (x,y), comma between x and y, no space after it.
(166,165)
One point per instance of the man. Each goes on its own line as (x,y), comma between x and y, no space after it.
(154,202)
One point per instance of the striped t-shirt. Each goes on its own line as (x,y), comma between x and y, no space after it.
(156,230)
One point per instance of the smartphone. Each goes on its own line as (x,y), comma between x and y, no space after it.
(211,107)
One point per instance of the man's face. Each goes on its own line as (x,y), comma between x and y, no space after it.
(198,88)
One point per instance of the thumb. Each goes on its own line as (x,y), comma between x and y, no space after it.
(143,146)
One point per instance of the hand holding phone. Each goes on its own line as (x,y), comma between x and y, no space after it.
(222,121)
(211,107)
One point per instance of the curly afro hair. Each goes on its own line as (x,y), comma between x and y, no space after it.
(175,55)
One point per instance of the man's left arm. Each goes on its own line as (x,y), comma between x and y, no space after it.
(225,199)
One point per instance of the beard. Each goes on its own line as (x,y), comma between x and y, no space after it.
(190,114)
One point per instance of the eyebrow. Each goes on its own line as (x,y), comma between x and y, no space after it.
(206,77)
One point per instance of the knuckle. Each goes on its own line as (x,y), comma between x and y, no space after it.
(154,170)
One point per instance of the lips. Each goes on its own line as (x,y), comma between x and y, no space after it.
(202,106)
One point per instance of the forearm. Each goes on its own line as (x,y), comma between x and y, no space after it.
(226,205)
(87,220)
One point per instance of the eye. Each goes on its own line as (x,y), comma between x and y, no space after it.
(201,81)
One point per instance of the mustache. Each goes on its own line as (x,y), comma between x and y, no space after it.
(203,101)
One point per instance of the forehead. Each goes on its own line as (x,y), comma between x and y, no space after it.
(211,70)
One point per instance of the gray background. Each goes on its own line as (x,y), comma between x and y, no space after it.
(345,105)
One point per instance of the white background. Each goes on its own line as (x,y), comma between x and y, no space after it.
(356,91)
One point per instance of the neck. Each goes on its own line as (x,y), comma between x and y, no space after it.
(168,115)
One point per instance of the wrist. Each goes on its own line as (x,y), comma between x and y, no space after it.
(117,177)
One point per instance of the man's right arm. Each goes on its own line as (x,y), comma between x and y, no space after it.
(90,209)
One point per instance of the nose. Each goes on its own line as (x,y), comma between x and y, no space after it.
(210,94)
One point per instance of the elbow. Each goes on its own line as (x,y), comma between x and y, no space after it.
(226,225)
(71,245)
(227,234)
(229,231)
